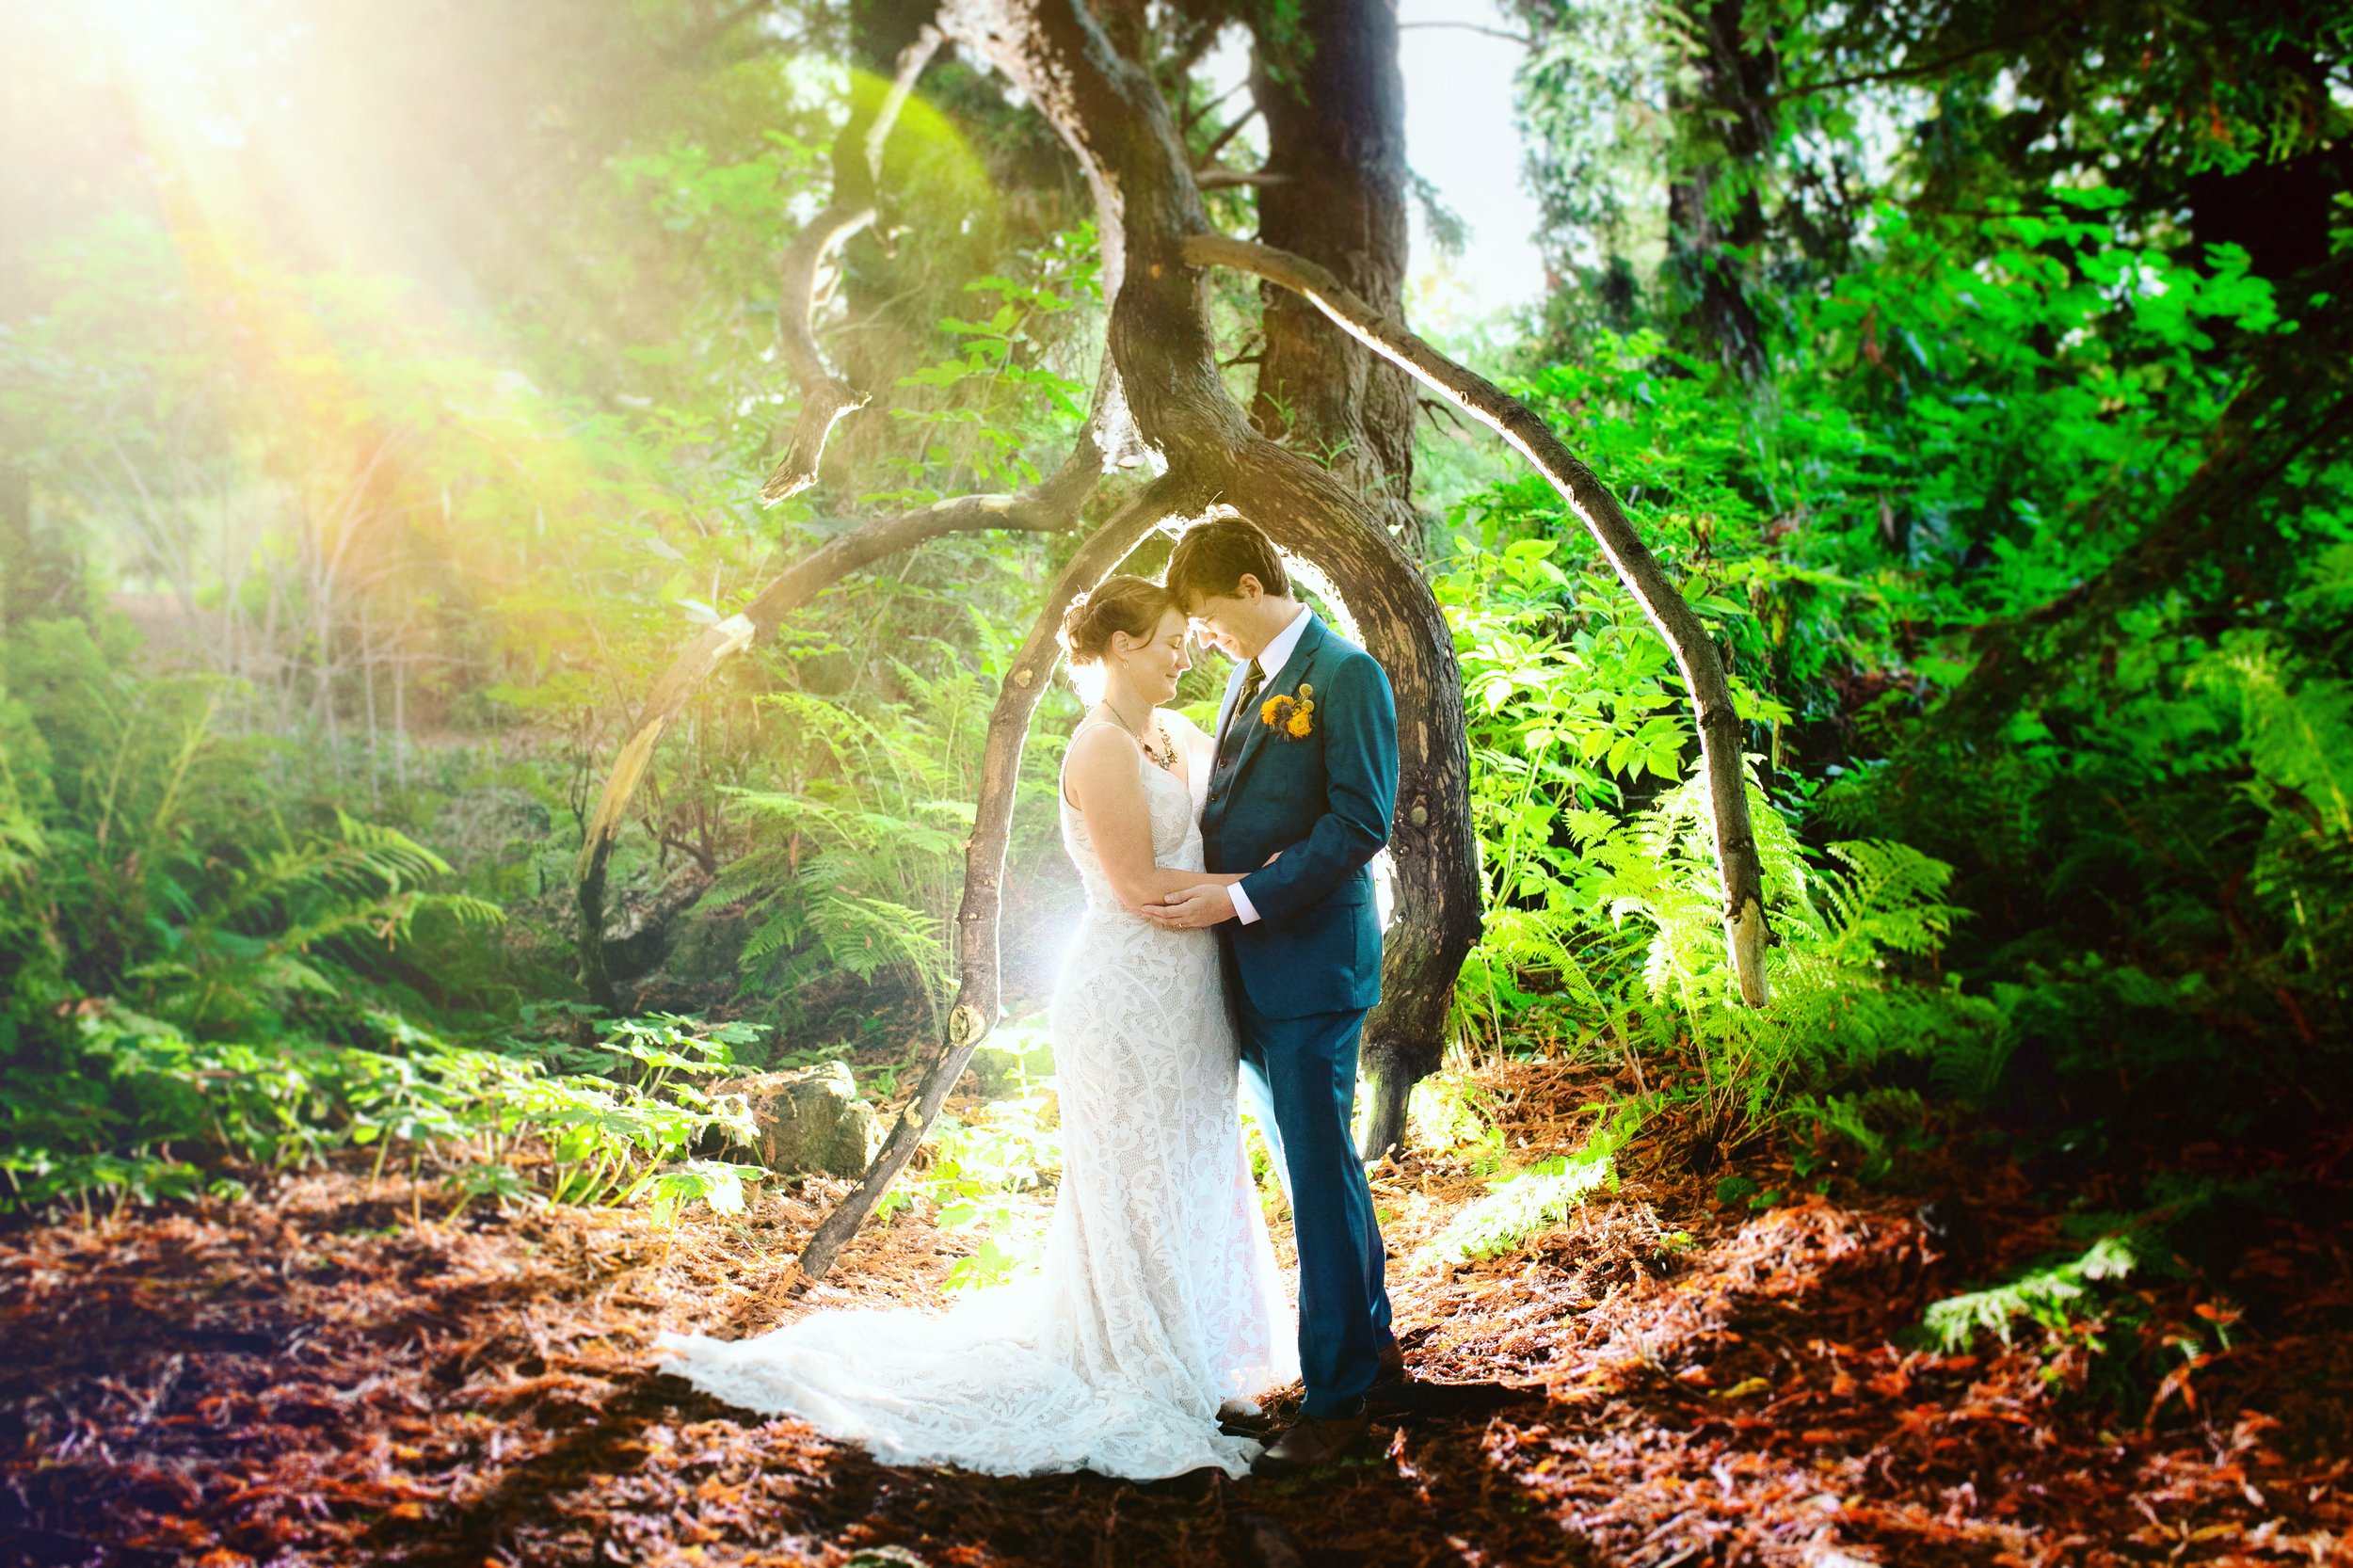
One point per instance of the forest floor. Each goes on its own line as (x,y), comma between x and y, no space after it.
(310,1377)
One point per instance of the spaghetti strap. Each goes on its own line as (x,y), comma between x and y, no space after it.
(1062,780)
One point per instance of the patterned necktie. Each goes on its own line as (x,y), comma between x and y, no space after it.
(1243,704)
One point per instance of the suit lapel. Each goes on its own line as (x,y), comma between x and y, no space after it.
(1285,679)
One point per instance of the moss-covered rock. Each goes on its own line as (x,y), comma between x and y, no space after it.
(810,1119)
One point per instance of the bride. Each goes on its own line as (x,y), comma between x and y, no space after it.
(1158,1302)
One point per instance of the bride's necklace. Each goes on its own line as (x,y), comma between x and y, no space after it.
(1164,758)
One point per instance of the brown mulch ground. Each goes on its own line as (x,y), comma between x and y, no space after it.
(310,1378)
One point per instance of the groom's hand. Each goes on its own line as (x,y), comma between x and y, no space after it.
(1193,908)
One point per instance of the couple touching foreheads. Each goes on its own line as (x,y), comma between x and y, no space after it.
(1230,943)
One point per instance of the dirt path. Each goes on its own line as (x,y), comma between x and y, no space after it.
(311,1379)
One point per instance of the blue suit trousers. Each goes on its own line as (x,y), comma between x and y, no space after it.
(1300,1075)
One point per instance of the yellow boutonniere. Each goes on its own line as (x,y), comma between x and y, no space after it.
(1288,714)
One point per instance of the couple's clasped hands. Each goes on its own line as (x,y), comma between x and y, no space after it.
(1194,908)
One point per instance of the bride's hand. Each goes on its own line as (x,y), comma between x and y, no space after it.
(1193,909)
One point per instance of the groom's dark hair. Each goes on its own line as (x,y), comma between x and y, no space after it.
(1214,555)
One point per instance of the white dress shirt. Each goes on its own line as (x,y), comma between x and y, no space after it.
(1272,658)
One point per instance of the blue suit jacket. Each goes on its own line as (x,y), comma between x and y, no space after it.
(1323,801)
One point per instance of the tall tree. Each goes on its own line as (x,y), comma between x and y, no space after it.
(1163,392)
(1327,83)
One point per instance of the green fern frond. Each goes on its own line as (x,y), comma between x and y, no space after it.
(2050,1296)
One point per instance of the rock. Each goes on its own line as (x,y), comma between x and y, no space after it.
(810,1119)
(999,1074)
(637,920)
(706,942)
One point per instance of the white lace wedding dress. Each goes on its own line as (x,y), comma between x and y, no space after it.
(1159,1297)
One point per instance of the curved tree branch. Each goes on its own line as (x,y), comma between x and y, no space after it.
(1217,144)
(978,998)
(1702,669)
(825,397)
(1111,113)
(1049,507)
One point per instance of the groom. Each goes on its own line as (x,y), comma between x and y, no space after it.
(1300,796)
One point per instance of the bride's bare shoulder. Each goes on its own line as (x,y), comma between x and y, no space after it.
(1095,746)
(1094,735)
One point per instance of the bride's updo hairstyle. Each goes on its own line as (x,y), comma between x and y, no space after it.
(1119,603)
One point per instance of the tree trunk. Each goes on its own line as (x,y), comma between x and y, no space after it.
(1333,102)
(1328,87)
(825,397)
(1107,108)
(1729,123)
(1746,930)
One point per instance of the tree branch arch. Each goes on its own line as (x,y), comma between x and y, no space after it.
(1747,931)
(1163,388)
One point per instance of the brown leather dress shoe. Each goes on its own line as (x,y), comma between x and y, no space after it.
(1393,1388)
(1312,1442)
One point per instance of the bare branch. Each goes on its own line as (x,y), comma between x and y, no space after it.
(978,999)
(825,397)
(1197,116)
(1925,67)
(1209,159)
(1703,667)
(1505,34)
(1047,507)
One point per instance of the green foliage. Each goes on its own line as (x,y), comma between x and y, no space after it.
(146,866)
(377,513)
(2100,1307)
(1572,704)
(1004,376)
(1966,420)
(979,1172)
(2164,840)
(853,866)
(506,521)
(2053,1296)
(1843,1001)
(1536,1198)
(103,1116)
(1885,1123)
(199,985)
(1449,1112)
(2295,729)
